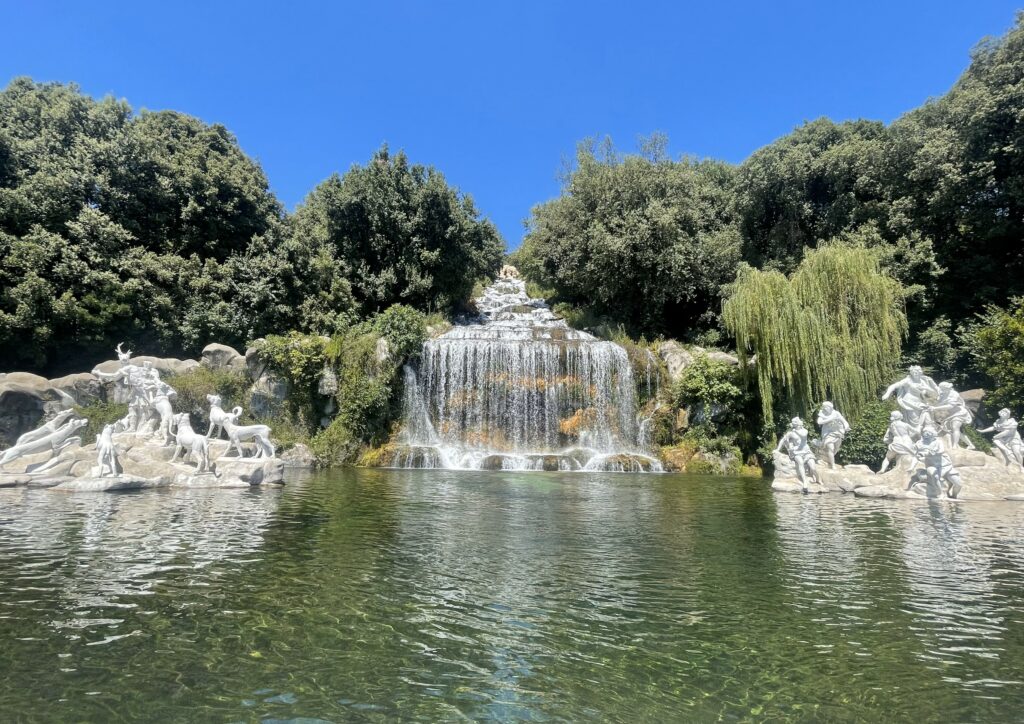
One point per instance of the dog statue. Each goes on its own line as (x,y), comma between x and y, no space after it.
(260,434)
(189,442)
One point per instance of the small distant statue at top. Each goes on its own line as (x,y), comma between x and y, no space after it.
(1007,439)
(508,272)
(833,431)
(795,442)
(914,394)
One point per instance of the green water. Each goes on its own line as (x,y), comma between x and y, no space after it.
(429,595)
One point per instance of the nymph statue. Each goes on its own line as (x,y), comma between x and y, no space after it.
(914,394)
(795,443)
(106,454)
(130,376)
(951,414)
(53,442)
(1007,439)
(937,465)
(833,431)
(900,438)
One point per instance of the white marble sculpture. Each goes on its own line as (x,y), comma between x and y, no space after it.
(107,464)
(950,414)
(159,394)
(217,417)
(937,465)
(53,442)
(834,428)
(46,428)
(191,443)
(1007,439)
(237,434)
(900,438)
(795,444)
(914,394)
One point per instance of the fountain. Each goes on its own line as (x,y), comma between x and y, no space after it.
(516,388)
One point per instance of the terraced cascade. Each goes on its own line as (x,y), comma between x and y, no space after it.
(518,389)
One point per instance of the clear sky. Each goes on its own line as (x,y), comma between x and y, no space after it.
(496,94)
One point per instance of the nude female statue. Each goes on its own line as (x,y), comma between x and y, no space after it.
(951,413)
(1007,439)
(900,437)
(795,442)
(914,393)
(833,431)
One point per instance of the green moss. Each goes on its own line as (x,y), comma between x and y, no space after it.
(699,466)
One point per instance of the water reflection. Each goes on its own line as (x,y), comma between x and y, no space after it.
(433,595)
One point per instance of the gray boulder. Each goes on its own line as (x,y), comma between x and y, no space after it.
(26,402)
(84,388)
(222,357)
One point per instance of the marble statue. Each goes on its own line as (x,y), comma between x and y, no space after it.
(54,442)
(834,428)
(914,395)
(795,443)
(900,438)
(217,417)
(190,443)
(937,464)
(237,434)
(1007,439)
(107,464)
(159,394)
(950,413)
(43,430)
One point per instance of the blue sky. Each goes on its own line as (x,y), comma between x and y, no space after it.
(497,94)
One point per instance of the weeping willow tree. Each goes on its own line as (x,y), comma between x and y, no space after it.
(831,330)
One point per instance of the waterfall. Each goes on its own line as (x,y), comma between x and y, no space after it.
(518,389)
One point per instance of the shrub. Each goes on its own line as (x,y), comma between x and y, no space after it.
(334,445)
(193,387)
(404,328)
(300,359)
(864,444)
(996,341)
(99,414)
(709,389)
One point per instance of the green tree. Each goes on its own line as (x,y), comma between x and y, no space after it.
(996,343)
(831,330)
(399,234)
(642,239)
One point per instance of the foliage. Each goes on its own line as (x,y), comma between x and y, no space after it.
(864,445)
(193,387)
(404,328)
(99,414)
(640,238)
(708,389)
(996,342)
(300,359)
(831,330)
(399,234)
(155,228)
(334,445)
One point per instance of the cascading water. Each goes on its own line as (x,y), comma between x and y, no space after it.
(518,389)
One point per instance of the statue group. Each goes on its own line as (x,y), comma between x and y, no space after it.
(928,424)
(150,419)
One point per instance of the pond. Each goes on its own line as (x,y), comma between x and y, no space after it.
(376,595)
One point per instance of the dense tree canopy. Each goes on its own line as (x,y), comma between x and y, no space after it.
(939,194)
(641,239)
(156,228)
(400,234)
